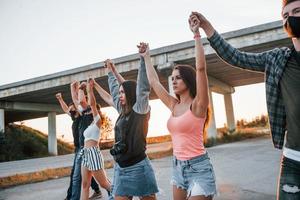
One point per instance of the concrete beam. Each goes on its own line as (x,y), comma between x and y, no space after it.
(2,121)
(173,53)
(30,107)
(52,141)
(212,129)
(219,87)
(229,112)
(51,83)
(254,39)
(236,40)
(167,66)
(170,85)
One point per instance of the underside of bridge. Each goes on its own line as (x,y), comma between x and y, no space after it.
(35,98)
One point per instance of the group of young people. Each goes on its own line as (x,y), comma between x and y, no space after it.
(193,176)
(88,162)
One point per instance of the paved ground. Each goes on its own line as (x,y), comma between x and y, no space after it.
(33,165)
(245,170)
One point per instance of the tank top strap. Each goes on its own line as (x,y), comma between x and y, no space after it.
(96,118)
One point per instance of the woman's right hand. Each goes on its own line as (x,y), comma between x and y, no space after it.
(144,49)
(91,82)
(203,23)
(110,65)
(82,86)
(74,84)
(58,96)
(202,20)
(194,23)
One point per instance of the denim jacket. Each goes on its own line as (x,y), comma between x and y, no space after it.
(142,91)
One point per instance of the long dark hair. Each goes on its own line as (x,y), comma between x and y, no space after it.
(188,76)
(129,87)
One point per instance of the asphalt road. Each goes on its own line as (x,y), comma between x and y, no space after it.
(245,170)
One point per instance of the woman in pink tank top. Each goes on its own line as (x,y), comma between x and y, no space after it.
(193,176)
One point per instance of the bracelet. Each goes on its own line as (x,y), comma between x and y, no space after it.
(197,36)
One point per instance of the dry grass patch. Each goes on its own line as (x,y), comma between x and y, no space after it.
(161,154)
(34,177)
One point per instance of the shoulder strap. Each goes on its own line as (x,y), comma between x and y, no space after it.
(97,118)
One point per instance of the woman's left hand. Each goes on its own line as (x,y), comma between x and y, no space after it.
(143,49)
(194,23)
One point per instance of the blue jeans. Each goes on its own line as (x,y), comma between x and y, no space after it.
(69,192)
(76,178)
(289,184)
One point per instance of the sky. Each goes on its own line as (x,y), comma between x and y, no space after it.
(43,37)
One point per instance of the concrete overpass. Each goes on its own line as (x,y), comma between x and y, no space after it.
(35,98)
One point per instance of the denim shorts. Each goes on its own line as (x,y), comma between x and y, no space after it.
(136,180)
(196,176)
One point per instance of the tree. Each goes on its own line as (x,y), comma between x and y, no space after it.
(264,120)
(106,127)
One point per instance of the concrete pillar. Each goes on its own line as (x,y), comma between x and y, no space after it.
(229,112)
(212,129)
(170,84)
(2,123)
(52,141)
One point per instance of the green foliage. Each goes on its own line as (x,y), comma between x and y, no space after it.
(106,127)
(21,142)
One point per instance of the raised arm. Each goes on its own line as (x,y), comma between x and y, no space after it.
(103,94)
(111,66)
(201,101)
(143,87)
(92,100)
(158,88)
(231,55)
(113,87)
(81,95)
(74,93)
(62,103)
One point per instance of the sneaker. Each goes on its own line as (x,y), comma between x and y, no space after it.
(96,195)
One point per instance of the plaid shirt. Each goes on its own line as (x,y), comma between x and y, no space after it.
(272,63)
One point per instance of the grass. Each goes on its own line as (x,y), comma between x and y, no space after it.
(107,144)
(48,174)
(34,177)
(22,142)
(225,136)
(39,176)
